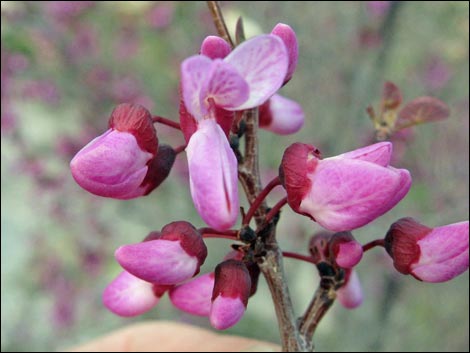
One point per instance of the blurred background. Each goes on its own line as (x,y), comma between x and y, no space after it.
(65,65)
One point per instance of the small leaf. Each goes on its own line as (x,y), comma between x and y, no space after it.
(391,96)
(422,110)
(240,31)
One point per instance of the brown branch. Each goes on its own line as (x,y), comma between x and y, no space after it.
(323,299)
(273,271)
(219,21)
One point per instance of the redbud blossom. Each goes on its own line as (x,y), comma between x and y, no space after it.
(213,176)
(343,192)
(244,79)
(116,163)
(346,251)
(174,257)
(350,294)
(128,295)
(230,296)
(429,254)
(215,47)
(288,36)
(194,296)
(281,115)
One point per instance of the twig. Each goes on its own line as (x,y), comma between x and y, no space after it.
(219,21)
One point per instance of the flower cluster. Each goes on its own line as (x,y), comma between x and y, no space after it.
(340,193)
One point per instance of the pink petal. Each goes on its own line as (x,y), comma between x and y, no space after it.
(215,47)
(262,61)
(112,165)
(349,254)
(348,193)
(226,312)
(195,71)
(213,176)
(194,297)
(444,253)
(287,34)
(158,261)
(350,295)
(128,295)
(404,185)
(281,115)
(225,87)
(378,153)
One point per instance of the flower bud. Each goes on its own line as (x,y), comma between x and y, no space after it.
(350,294)
(346,251)
(230,295)
(428,254)
(174,257)
(215,47)
(116,163)
(343,192)
(128,295)
(194,296)
(281,115)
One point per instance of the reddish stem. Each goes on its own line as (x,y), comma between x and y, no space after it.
(212,233)
(260,198)
(167,122)
(273,211)
(180,149)
(373,244)
(294,255)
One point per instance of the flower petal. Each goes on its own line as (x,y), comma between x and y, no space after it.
(348,193)
(226,312)
(350,295)
(194,297)
(128,295)
(287,34)
(195,71)
(262,61)
(281,115)
(158,261)
(444,253)
(213,176)
(378,153)
(225,87)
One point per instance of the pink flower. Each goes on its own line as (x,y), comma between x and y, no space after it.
(244,79)
(215,47)
(213,176)
(194,296)
(230,295)
(288,36)
(345,250)
(281,115)
(174,255)
(129,296)
(124,162)
(343,192)
(350,294)
(428,254)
